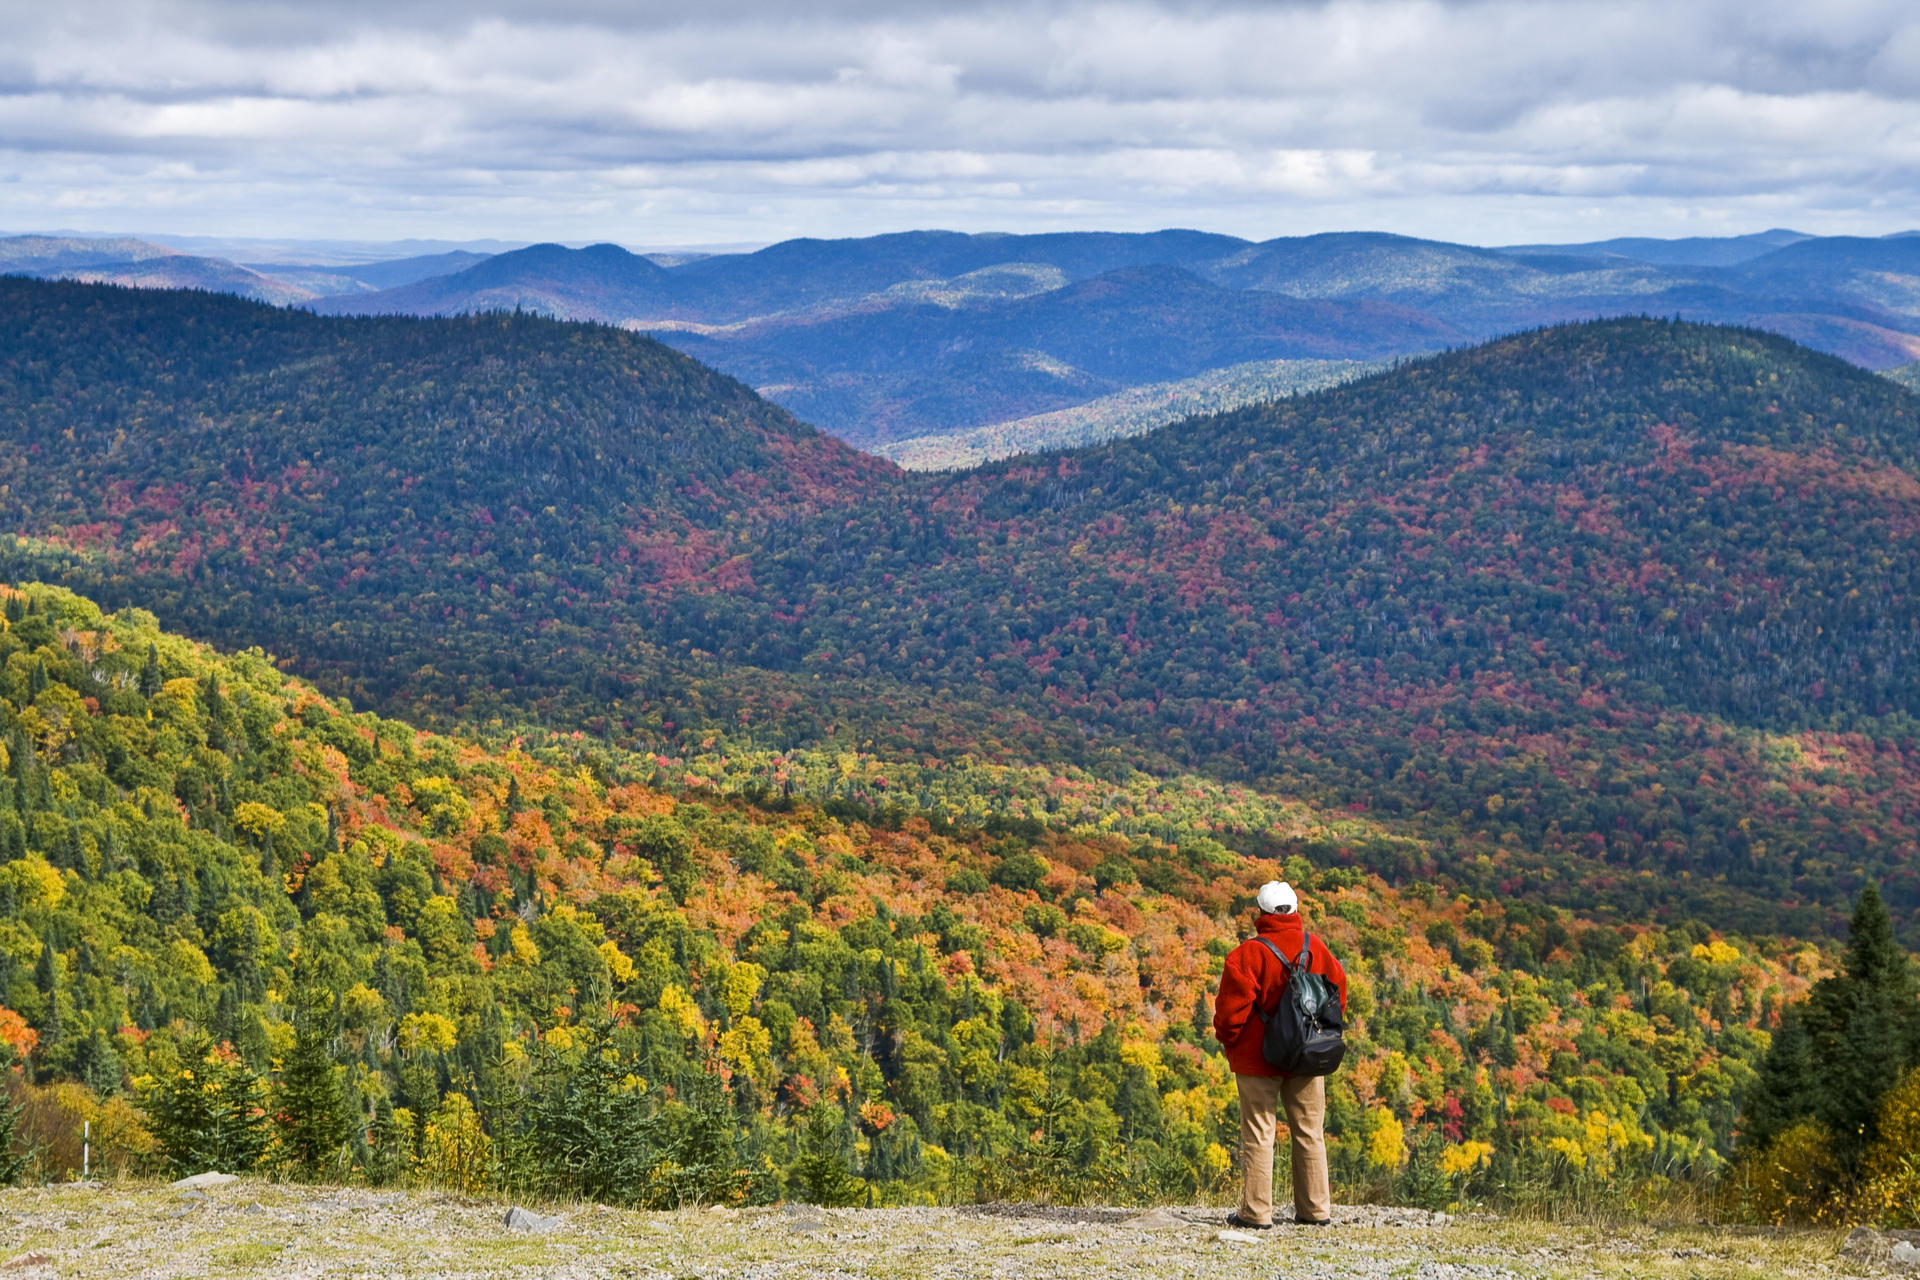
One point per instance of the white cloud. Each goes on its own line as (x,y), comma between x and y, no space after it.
(655,122)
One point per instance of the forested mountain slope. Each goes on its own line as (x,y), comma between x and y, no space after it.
(532,971)
(1606,592)
(921,333)
(1618,613)
(344,490)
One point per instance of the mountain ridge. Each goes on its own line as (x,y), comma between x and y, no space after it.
(766,316)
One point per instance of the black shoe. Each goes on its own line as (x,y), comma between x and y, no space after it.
(1235,1220)
(1313,1222)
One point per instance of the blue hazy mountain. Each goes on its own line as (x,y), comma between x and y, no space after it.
(888,337)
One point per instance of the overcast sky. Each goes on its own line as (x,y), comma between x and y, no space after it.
(718,121)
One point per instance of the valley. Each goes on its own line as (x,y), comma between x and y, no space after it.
(1557,609)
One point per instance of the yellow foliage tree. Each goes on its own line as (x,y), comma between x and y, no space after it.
(454,1152)
(683,1012)
(259,820)
(743,984)
(1891,1190)
(1792,1179)
(1386,1140)
(431,1031)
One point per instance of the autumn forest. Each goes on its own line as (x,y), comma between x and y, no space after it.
(499,753)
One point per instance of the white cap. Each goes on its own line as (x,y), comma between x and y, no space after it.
(1278,898)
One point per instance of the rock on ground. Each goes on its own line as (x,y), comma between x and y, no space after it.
(1897,1250)
(255,1229)
(519,1219)
(199,1181)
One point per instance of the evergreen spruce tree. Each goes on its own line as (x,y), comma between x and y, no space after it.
(216,734)
(1861,1026)
(206,1111)
(14,1158)
(1785,1091)
(312,1108)
(823,1174)
(46,979)
(46,971)
(97,1064)
(150,680)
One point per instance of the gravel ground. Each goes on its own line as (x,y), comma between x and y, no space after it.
(259,1229)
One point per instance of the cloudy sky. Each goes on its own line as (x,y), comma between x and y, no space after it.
(719,121)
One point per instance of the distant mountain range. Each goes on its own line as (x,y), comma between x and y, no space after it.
(143,264)
(926,334)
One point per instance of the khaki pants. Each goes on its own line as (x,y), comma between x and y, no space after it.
(1305,1099)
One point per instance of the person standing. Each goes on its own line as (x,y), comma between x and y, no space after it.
(1250,990)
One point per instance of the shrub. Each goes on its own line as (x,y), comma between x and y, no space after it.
(1891,1193)
(13,1159)
(1426,1183)
(594,1123)
(1792,1180)
(455,1152)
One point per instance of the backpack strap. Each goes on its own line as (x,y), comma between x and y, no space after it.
(1303,965)
(1285,968)
(1277,953)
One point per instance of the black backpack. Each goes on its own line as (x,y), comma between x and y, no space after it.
(1305,1031)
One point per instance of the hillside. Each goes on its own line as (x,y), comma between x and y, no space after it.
(929,333)
(193,843)
(1616,615)
(327,279)
(338,488)
(1580,599)
(1688,251)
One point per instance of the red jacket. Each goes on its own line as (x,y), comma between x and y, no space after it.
(1253,977)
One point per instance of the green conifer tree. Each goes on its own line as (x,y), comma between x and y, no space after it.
(14,1157)
(311,1106)
(150,680)
(1861,1027)
(823,1174)
(207,1111)
(46,979)
(1785,1092)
